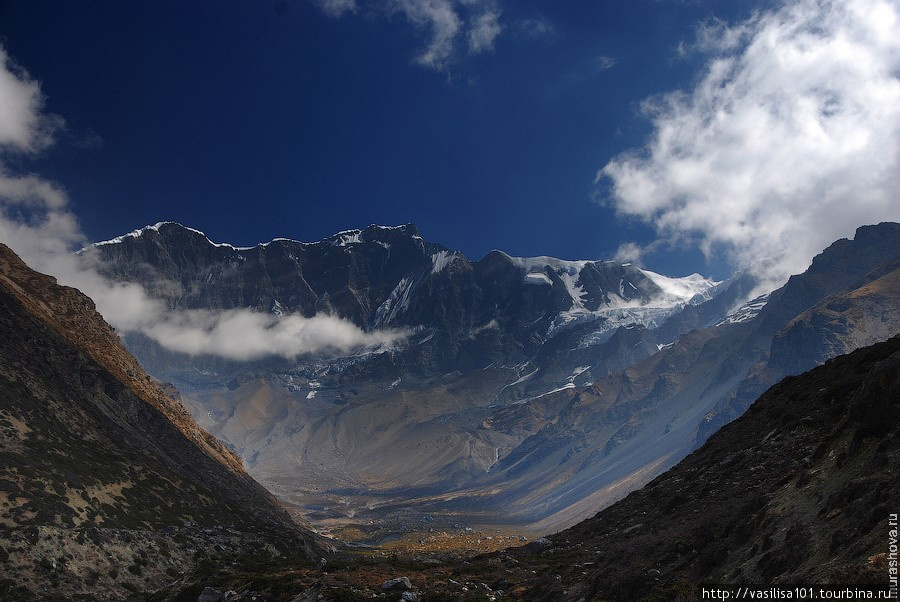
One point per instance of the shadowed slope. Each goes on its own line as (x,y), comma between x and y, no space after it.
(101,471)
(799,489)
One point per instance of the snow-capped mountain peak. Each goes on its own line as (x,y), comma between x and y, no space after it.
(612,294)
(691,289)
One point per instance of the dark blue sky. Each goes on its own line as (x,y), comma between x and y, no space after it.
(254,120)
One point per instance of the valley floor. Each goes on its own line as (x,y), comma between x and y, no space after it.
(363,574)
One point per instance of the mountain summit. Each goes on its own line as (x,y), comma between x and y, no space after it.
(391,276)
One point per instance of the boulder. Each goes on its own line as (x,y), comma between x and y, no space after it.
(397,584)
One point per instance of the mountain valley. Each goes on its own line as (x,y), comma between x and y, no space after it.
(799,490)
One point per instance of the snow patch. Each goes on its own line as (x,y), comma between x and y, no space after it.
(442,259)
(577,372)
(576,292)
(492,325)
(619,310)
(396,303)
(496,459)
(539,263)
(550,392)
(133,234)
(745,312)
(519,381)
(346,238)
(340,239)
(693,289)
(537,278)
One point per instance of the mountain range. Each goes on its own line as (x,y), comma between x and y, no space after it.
(527,391)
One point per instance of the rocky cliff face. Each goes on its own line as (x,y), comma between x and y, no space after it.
(530,389)
(783,339)
(865,313)
(107,486)
(468,313)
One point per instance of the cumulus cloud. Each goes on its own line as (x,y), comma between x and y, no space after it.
(36,223)
(24,127)
(789,140)
(33,214)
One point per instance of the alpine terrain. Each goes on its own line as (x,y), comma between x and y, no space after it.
(798,492)
(107,485)
(519,391)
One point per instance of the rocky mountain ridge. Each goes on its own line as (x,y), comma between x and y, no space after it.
(391,277)
(107,486)
(532,390)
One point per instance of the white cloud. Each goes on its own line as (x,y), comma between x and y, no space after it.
(441,18)
(629,252)
(23,125)
(36,223)
(449,20)
(33,215)
(484,30)
(789,140)
(243,334)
